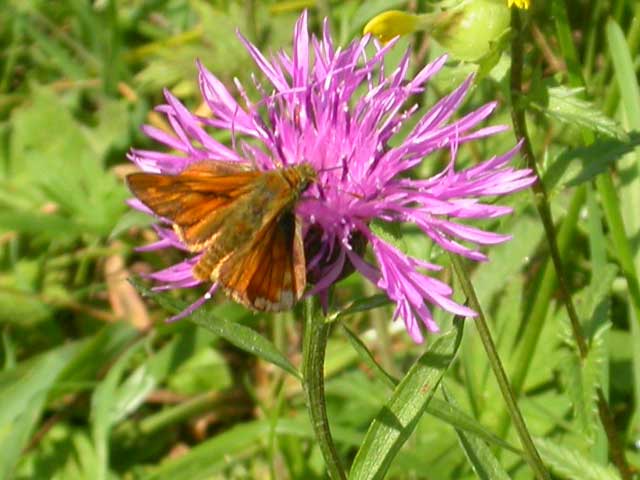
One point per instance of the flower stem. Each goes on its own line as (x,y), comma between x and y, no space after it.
(316,332)
(520,127)
(530,452)
(539,190)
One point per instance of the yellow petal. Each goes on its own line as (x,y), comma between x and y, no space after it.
(518,3)
(392,23)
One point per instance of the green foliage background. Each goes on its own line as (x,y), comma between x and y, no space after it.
(94,384)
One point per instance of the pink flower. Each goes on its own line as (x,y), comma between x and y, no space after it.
(339,111)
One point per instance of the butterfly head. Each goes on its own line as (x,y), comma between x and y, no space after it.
(302,176)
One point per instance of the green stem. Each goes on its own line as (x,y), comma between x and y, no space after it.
(541,198)
(530,452)
(544,292)
(316,333)
(611,207)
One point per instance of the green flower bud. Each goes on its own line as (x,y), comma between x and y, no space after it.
(474,28)
(467,29)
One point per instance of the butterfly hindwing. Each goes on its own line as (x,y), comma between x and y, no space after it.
(269,274)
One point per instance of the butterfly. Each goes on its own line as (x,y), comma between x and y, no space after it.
(243,222)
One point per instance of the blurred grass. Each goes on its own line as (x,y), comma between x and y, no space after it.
(95,385)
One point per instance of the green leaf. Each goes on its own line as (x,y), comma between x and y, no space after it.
(570,464)
(63,167)
(55,55)
(484,463)
(452,415)
(628,194)
(132,218)
(214,455)
(579,165)
(109,403)
(239,335)
(23,393)
(625,73)
(204,371)
(95,355)
(508,259)
(582,377)
(246,339)
(390,233)
(593,303)
(38,223)
(367,357)
(566,106)
(394,423)
(361,305)
(112,129)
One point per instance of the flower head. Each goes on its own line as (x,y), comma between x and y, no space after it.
(339,111)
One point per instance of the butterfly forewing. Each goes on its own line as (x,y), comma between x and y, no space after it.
(243,222)
(197,200)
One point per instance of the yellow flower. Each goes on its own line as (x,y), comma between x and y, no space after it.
(518,3)
(391,24)
(468,31)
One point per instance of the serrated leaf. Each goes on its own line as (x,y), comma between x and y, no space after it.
(594,303)
(239,335)
(598,290)
(582,377)
(396,421)
(579,165)
(566,106)
(571,464)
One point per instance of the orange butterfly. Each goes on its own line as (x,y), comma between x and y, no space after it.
(243,221)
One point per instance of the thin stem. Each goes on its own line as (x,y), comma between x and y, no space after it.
(316,333)
(539,190)
(542,202)
(530,452)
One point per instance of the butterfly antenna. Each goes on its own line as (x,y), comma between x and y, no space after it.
(328,169)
